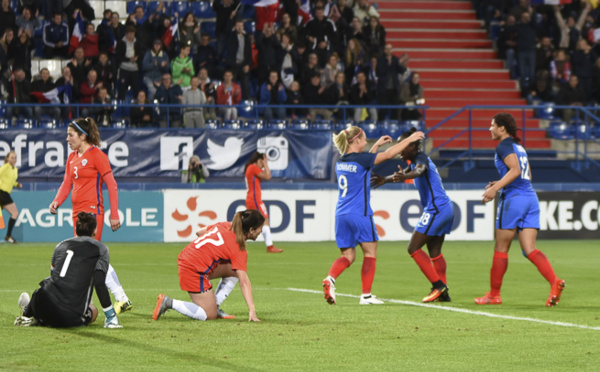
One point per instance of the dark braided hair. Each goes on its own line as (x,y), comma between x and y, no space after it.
(507,121)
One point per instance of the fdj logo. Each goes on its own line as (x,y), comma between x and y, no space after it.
(175,152)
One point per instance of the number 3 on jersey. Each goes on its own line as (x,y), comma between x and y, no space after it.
(343,183)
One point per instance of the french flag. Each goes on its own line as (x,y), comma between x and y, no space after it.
(169,34)
(304,12)
(266,11)
(53,96)
(550,2)
(77,33)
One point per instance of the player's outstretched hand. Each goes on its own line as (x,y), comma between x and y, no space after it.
(252,317)
(399,176)
(53,207)
(377,180)
(383,139)
(115,224)
(416,136)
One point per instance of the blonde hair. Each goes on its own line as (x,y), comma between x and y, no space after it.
(343,139)
(243,222)
(7,155)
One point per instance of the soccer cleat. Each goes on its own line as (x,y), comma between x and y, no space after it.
(121,306)
(445,297)
(435,294)
(221,314)
(10,239)
(273,249)
(329,289)
(24,321)
(23,302)
(488,300)
(370,300)
(162,305)
(555,292)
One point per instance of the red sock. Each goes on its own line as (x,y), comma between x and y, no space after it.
(439,265)
(368,273)
(543,265)
(424,262)
(338,267)
(499,266)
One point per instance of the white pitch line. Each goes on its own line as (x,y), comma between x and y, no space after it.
(459,310)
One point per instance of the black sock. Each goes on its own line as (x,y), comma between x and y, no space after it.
(11,224)
(439,285)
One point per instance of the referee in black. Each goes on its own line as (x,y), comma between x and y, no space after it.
(79,264)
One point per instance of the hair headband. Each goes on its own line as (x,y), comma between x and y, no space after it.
(78,127)
(357,134)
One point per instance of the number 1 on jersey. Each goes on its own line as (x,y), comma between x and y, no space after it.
(66,264)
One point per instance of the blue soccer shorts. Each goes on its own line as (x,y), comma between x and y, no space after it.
(438,223)
(518,211)
(352,229)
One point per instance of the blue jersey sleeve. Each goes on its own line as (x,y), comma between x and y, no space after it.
(504,149)
(421,158)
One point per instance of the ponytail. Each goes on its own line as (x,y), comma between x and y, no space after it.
(243,222)
(343,139)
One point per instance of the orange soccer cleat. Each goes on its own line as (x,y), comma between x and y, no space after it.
(273,249)
(488,300)
(435,294)
(555,292)
(329,289)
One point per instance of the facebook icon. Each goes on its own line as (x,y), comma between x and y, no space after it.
(175,152)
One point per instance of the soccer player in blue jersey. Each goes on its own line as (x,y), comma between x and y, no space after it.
(353,215)
(518,211)
(436,220)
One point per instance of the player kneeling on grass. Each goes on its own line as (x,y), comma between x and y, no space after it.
(219,252)
(79,264)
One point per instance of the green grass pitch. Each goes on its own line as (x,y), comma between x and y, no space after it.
(301,332)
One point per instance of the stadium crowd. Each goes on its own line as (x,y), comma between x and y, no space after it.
(336,54)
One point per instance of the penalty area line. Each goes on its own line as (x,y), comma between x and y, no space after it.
(459,310)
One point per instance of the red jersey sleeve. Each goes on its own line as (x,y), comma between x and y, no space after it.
(101,162)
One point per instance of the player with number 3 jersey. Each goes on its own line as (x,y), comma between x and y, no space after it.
(518,211)
(353,217)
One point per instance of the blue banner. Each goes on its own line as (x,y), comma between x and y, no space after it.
(163,153)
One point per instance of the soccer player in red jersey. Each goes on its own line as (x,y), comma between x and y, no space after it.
(257,169)
(218,252)
(87,170)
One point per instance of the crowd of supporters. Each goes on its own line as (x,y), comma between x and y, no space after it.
(336,54)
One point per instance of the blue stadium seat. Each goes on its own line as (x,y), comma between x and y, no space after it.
(546,112)
(14,5)
(120,124)
(583,130)
(370,128)
(250,27)
(277,124)
(153,5)
(419,125)
(4,123)
(212,124)
(344,124)
(323,124)
(254,124)
(131,5)
(2,108)
(232,124)
(300,124)
(596,131)
(48,123)
(24,123)
(392,128)
(247,109)
(180,7)
(560,130)
(209,27)
(203,9)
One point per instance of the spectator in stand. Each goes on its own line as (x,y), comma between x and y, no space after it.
(141,116)
(338,94)
(289,61)
(103,114)
(526,42)
(168,93)
(583,60)
(189,32)
(208,87)
(374,36)
(7,16)
(79,66)
(129,55)
(269,48)
(116,27)
(33,5)
(27,22)
(90,43)
(320,34)
(56,38)
(230,94)
(154,65)
(570,95)
(21,55)
(522,7)
(388,85)
(309,69)
(287,27)
(570,31)
(68,95)
(105,36)
(313,94)
(364,11)
(144,30)
(272,94)
(560,69)
(544,54)
(541,89)
(88,91)
(355,59)
(8,43)
(206,57)
(162,27)
(363,93)
(346,13)
(193,116)
(355,31)
(72,7)
(182,67)
(596,80)
(19,92)
(294,98)
(291,7)
(332,68)
(44,84)
(106,72)
(225,11)
(239,56)
(507,43)
(411,94)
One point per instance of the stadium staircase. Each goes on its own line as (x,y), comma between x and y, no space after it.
(458,66)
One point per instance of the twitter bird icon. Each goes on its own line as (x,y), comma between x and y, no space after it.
(223,157)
